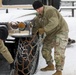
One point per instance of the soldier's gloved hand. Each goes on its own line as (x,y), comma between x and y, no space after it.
(41,30)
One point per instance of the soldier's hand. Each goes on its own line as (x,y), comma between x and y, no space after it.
(41,30)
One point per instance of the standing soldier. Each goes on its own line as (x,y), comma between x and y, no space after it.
(3,49)
(50,21)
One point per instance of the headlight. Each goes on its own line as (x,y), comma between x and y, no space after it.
(21,26)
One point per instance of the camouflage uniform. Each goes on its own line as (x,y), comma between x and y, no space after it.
(4,51)
(56,30)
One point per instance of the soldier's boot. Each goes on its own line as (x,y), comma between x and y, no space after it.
(58,73)
(47,68)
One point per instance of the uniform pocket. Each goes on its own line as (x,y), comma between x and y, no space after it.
(57,41)
(62,40)
(63,43)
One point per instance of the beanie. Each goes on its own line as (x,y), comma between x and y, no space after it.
(37,4)
(3,32)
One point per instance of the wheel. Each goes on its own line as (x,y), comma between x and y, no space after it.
(27,56)
(35,63)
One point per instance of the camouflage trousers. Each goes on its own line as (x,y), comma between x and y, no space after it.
(59,43)
(4,51)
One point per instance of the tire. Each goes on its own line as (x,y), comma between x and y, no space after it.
(35,63)
(27,57)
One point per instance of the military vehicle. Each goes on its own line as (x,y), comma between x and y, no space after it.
(21,42)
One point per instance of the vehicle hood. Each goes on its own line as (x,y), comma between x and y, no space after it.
(16,15)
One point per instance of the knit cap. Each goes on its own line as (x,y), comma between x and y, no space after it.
(37,4)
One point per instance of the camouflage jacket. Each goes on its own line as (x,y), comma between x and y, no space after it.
(51,20)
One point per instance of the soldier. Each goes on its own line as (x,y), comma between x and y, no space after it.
(3,49)
(50,21)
